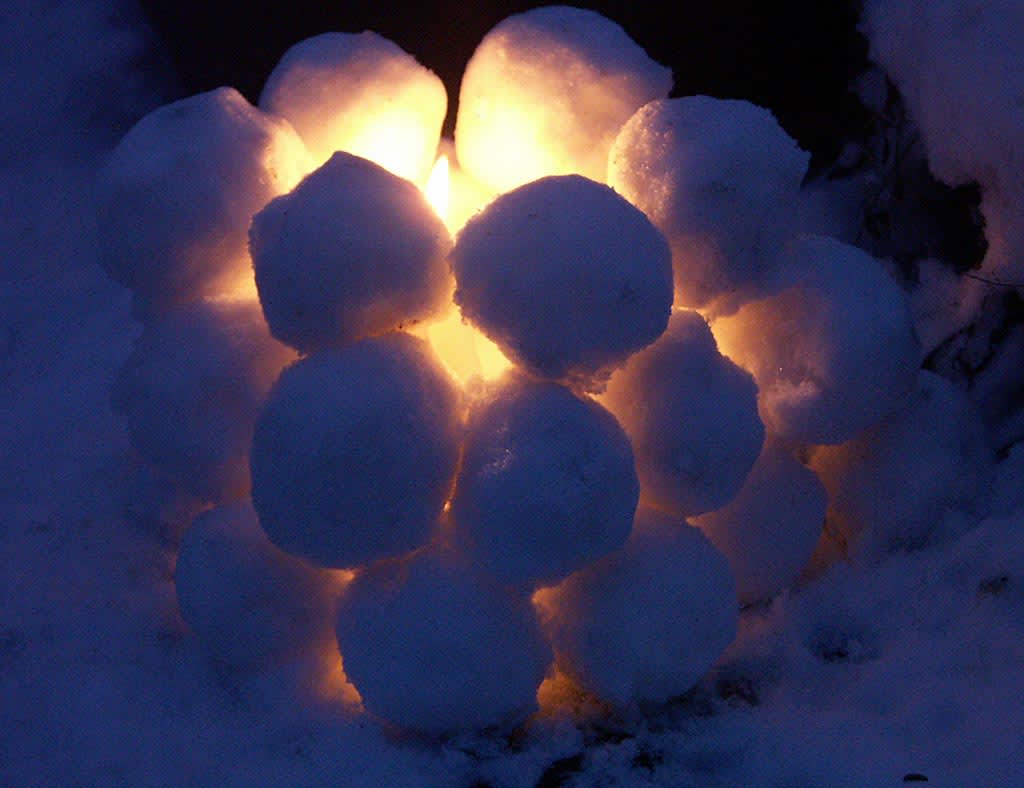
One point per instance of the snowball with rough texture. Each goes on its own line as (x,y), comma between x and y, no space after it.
(565,276)
(546,92)
(691,414)
(352,251)
(770,529)
(192,388)
(250,604)
(893,486)
(355,452)
(645,623)
(832,355)
(178,192)
(721,179)
(546,485)
(360,93)
(433,646)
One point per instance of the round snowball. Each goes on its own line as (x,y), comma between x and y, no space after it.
(895,485)
(645,623)
(355,452)
(546,92)
(353,251)
(692,417)
(547,483)
(192,388)
(360,93)
(832,355)
(178,192)
(770,529)
(565,276)
(433,647)
(250,605)
(721,179)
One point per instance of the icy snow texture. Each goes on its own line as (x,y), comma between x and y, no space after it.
(546,92)
(360,93)
(721,179)
(547,483)
(433,646)
(355,452)
(565,276)
(831,355)
(959,65)
(770,529)
(914,478)
(646,622)
(251,605)
(178,192)
(691,415)
(191,391)
(352,251)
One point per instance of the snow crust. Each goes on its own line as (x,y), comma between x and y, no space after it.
(771,528)
(355,451)
(547,483)
(352,252)
(363,94)
(722,180)
(691,415)
(550,89)
(646,622)
(192,388)
(832,354)
(565,276)
(178,192)
(435,647)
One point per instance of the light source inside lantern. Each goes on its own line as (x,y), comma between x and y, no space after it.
(465,352)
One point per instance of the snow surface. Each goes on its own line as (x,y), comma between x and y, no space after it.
(856,677)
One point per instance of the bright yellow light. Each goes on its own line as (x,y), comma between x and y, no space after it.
(466,353)
(436,189)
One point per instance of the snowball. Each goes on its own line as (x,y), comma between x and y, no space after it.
(191,391)
(722,180)
(433,647)
(546,485)
(546,92)
(692,417)
(645,623)
(770,529)
(565,276)
(178,192)
(251,605)
(831,355)
(355,452)
(360,93)
(893,486)
(352,251)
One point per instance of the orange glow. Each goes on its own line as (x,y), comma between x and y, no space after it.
(464,351)
(436,189)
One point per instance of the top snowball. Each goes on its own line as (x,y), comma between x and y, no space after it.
(363,94)
(721,179)
(550,89)
(565,276)
(178,193)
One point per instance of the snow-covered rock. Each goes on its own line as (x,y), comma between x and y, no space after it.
(832,354)
(645,623)
(192,388)
(721,179)
(565,276)
(546,92)
(178,192)
(434,646)
(360,93)
(353,251)
(546,485)
(691,415)
(355,452)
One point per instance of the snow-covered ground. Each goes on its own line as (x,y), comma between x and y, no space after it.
(861,676)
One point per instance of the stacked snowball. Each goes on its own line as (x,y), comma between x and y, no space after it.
(495,528)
